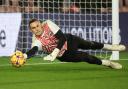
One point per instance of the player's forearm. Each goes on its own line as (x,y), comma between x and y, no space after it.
(31,52)
(61,37)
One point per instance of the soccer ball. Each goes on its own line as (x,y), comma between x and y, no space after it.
(17,59)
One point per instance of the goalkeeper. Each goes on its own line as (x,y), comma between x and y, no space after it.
(64,47)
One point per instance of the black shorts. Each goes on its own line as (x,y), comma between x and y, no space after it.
(73,55)
(79,56)
(74,43)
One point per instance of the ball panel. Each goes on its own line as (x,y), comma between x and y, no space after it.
(17,59)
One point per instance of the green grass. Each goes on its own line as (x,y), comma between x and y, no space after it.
(62,76)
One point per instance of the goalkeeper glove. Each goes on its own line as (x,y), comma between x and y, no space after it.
(25,56)
(53,55)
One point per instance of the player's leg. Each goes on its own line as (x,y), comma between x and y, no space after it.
(111,64)
(115,47)
(84,44)
(79,56)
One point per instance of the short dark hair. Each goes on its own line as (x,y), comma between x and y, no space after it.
(32,20)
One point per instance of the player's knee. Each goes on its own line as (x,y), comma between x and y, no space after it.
(93,61)
(96,45)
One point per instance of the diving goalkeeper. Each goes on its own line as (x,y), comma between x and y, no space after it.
(64,47)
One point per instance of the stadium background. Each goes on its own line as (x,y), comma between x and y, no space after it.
(37,74)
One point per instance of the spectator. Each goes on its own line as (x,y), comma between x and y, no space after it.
(74,8)
(123,4)
(2,6)
(11,6)
(66,6)
(32,6)
(93,6)
(53,5)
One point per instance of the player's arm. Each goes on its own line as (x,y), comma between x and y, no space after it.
(31,52)
(36,46)
(57,33)
(61,39)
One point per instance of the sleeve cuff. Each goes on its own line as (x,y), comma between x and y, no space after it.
(25,56)
(55,52)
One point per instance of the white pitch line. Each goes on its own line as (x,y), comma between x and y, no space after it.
(123,59)
(46,63)
(5,65)
(43,63)
(37,63)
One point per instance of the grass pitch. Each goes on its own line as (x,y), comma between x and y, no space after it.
(39,74)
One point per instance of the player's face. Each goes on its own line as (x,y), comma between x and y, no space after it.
(36,28)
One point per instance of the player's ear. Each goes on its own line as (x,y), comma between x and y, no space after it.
(40,21)
(29,27)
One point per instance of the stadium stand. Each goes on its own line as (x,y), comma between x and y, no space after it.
(11,6)
(123,5)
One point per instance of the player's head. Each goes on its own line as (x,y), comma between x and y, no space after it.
(35,27)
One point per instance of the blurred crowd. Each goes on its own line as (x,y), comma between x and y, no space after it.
(65,6)
(123,4)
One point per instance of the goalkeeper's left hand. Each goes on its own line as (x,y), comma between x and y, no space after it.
(49,57)
(53,55)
